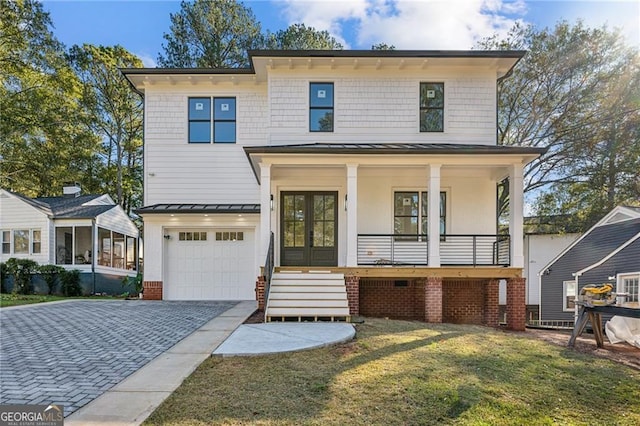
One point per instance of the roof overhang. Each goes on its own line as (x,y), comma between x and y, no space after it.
(264,61)
(379,154)
(199,209)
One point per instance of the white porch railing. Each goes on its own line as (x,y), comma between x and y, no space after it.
(455,250)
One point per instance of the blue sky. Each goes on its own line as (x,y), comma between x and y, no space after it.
(139,25)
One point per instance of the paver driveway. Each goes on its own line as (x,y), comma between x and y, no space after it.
(70,353)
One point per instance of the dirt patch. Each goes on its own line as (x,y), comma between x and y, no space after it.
(620,352)
(256,318)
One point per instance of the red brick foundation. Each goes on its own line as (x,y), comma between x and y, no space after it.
(352,284)
(433,296)
(260,287)
(152,290)
(491,303)
(516,306)
(463,301)
(388,298)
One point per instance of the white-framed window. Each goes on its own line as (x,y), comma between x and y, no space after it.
(568,295)
(628,284)
(410,209)
(21,241)
(212,119)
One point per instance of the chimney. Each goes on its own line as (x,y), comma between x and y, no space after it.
(71,190)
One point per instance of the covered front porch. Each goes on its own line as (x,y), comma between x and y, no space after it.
(416,215)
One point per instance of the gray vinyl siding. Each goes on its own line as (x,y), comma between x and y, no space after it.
(595,245)
(625,261)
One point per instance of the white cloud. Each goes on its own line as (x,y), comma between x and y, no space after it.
(408,24)
(147,60)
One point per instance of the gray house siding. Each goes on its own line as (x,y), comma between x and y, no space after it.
(625,261)
(595,245)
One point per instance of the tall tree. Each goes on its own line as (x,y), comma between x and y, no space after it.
(41,144)
(115,115)
(557,93)
(211,34)
(301,37)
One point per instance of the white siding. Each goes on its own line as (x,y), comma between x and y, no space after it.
(117,220)
(384,107)
(16,214)
(179,172)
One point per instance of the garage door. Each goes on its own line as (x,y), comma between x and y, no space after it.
(210,264)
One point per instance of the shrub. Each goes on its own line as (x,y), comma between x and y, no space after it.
(70,282)
(136,282)
(22,270)
(50,276)
(3,277)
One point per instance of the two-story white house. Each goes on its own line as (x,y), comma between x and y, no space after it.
(348,182)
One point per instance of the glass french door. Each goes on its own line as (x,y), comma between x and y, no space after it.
(309,228)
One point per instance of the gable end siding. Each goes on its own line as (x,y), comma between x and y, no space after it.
(593,247)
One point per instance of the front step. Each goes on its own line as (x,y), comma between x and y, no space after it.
(317,296)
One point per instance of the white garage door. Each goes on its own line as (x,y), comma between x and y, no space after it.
(210,264)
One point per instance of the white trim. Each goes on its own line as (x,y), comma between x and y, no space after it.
(565,308)
(601,222)
(623,276)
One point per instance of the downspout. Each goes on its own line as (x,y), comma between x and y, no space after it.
(94,239)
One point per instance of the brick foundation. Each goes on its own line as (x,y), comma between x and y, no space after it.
(260,287)
(516,307)
(388,298)
(152,290)
(433,297)
(492,303)
(463,301)
(352,283)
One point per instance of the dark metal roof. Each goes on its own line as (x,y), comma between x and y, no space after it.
(392,148)
(199,208)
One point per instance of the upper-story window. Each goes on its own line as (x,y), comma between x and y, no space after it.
(321,107)
(431,107)
(217,124)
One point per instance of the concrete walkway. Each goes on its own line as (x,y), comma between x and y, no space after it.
(131,401)
(275,337)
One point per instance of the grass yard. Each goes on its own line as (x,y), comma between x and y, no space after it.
(399,372)
(8,299)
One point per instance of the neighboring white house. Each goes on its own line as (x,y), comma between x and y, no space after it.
(339,158)
(90,233)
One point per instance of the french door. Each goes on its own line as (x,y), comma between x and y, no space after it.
(309,228)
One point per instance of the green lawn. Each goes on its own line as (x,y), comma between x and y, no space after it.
(399,372)
(7,299)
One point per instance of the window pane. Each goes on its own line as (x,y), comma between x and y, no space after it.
(119,250)
(21,241)
(36,241)
(83,245)
(6,242)
(224,109)
(406,204)
(104,247)
(329,234)
(406,225)
(321,120)
(299,234)
(132,253)
(199,109)
(318,234)
(225,132)
(200,132)
(431,120)
(321,95)
(569,294)
(64,245)
(431,95)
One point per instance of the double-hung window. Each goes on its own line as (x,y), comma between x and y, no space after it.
(431,107)
(6,242)
(628,283)
(411,209)
(321,107)
(212,119)
(21,241)
(569,295)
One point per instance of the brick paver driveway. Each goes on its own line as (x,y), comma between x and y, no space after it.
(70,353)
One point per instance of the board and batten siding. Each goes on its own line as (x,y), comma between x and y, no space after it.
(179,172)
(16,214)
(382,107)
(593,247)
